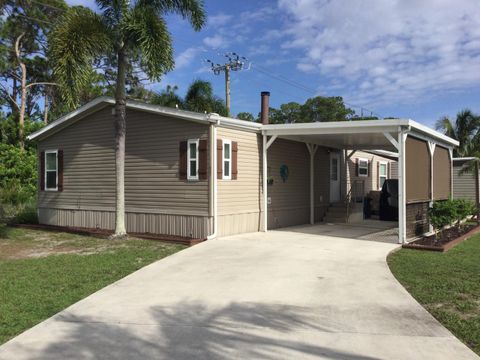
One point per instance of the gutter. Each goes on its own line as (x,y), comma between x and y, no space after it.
(213,188)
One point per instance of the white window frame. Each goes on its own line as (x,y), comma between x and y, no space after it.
(46,171)
(189,159)
(380,163)
(229,160)
(360,167)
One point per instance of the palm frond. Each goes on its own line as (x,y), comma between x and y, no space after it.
(75,42)
(148,33)
(192,10)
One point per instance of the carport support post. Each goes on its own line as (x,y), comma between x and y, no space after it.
(266,145)
(402,198)
(312,149)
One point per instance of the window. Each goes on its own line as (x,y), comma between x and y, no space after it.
(192,159)
(51,170)
(382,174)
(334,169)
(362,167)
(227,159)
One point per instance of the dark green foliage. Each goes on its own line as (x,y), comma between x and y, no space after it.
(18,174)
(447,212)
(246,116)
(199,98)
(317,109)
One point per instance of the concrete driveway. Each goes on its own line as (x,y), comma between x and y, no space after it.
(290,294)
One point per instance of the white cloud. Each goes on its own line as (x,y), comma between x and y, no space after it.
(219,19)
(187,57)
(389,51)
(216,41)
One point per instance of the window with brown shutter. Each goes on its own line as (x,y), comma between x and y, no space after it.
(203,160)
(219,159)
(234,160)
(41,176)
(60,170)
(182,163)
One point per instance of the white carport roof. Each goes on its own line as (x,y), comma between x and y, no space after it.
(356,135)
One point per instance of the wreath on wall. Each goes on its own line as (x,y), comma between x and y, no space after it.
(284,172)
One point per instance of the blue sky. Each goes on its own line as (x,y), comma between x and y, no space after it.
(403,58)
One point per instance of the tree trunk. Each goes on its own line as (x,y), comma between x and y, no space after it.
(46,107)
(120,128)
(23,92)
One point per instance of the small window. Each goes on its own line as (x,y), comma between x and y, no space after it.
(362,167)
(51,170)
(227,159)
(382,174)
(192,160)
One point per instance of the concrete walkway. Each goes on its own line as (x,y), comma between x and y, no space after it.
(280,295)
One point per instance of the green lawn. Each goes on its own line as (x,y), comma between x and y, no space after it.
(446,284)
(42,272)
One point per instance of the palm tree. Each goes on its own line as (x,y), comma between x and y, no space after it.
(168,98)
(465,129)
(200,98)
(130,31)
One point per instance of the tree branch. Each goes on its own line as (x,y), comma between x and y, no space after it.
(40,83)
(12,100)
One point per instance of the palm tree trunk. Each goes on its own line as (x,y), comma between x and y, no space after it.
(23,94)
(120,127)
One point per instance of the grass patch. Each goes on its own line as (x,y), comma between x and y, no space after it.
(42,273)
(446,284)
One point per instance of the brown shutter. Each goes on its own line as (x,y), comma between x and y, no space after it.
(357,167)
(234,160)
(369,168)
(203,159)
(219,159)
(60,170)
(378,174)
(42,171)
(182,164)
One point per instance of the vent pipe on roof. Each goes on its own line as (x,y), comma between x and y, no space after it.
(265,95)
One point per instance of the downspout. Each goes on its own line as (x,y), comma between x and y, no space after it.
(213,176)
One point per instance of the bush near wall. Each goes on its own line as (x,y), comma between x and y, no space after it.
(449,212)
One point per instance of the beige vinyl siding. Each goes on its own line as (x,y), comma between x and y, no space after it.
(371,182)
(464,184)
(153,190)
(240,200)
(322,182)
(151,166)
(290,200)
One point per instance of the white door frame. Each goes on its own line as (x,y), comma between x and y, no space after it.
(335,185)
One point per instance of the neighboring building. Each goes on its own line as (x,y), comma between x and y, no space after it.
(203,175)
(465,184)
(369,169)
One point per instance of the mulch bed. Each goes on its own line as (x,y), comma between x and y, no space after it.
(445,240)
(102,233)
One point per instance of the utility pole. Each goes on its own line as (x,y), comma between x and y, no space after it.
(234,63)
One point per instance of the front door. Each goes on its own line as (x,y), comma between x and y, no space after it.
(334,177)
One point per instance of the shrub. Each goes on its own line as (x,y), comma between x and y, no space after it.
(442,213)
(464,209)
(18,174)
(447,212)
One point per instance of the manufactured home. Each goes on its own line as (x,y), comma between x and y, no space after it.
(466,184)
(204,176)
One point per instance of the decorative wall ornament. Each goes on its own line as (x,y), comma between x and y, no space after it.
(284,172)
